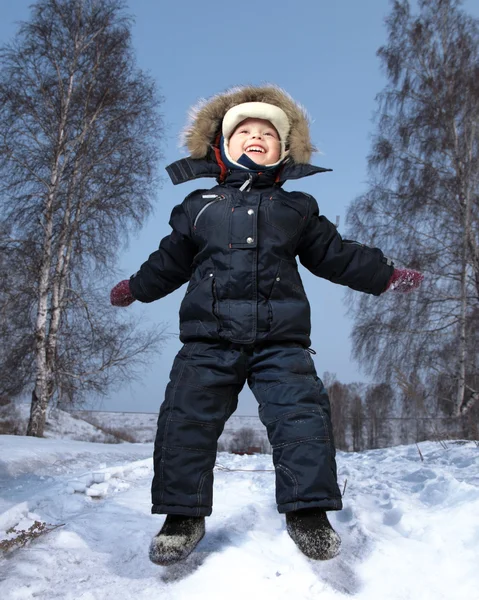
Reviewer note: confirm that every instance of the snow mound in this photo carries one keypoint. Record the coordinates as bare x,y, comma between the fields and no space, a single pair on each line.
59,425
409,527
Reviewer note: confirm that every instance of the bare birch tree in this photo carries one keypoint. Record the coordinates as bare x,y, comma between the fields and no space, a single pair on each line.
356,414
378,403
79,131
422,207
339,401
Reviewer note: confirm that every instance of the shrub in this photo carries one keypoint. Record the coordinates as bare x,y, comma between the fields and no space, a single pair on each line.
248,441
11,422
23,536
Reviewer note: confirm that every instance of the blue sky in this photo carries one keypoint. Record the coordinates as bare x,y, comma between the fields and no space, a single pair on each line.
324,55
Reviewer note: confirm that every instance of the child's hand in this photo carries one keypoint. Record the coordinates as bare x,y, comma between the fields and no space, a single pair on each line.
405,280
120,295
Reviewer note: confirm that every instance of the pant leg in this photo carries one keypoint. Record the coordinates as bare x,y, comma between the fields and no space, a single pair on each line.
294,407
201,395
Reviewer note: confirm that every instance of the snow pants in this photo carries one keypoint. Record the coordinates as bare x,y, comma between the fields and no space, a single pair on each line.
202,394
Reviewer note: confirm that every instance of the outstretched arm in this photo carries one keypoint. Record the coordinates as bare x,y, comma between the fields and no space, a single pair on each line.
323,251
166,269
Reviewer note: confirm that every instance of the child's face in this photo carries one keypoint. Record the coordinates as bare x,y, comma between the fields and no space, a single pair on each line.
256,138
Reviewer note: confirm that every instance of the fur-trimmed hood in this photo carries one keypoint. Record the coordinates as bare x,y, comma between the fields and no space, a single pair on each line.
206,118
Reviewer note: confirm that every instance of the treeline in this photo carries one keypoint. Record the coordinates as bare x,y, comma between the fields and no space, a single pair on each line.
378,415
367,416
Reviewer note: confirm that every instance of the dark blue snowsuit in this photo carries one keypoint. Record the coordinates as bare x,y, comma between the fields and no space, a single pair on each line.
245,317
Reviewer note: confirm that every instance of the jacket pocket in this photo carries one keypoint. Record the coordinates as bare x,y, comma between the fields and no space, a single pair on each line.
199,303
212,213
287,282
288,305
215,307
284,216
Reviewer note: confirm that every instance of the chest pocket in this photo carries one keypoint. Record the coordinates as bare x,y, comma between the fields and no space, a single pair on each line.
285,215
212,213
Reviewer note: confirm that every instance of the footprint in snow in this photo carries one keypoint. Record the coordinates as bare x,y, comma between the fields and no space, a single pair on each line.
392,517
185,568
339,572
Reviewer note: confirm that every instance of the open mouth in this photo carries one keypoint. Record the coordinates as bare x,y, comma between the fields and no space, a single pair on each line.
257,149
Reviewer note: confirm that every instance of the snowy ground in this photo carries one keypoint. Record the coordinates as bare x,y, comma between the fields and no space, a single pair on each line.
140,426
59,425
410,529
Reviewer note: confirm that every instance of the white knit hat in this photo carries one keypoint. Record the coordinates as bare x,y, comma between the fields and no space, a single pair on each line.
256,110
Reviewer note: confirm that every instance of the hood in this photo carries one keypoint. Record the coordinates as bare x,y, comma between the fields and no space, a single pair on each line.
204,126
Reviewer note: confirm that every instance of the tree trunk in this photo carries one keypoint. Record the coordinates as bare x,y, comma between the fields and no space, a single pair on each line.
64,251
40,398
38,412
462,348
462,171
43,390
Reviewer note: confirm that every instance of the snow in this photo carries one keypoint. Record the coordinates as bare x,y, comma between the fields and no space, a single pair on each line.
410,528
140,426
61,424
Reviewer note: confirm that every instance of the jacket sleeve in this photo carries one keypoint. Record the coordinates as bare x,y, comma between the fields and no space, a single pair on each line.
322,250
170,266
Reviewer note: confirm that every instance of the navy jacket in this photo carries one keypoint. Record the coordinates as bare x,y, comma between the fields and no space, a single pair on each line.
237,245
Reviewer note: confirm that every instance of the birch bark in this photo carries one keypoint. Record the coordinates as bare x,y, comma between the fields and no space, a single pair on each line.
43,390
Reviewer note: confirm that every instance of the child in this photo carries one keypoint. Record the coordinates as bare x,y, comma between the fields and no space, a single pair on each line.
245,316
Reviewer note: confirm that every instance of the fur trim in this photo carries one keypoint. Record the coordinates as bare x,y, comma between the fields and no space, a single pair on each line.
207,116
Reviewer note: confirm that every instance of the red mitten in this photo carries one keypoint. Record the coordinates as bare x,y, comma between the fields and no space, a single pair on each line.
120,295
405,280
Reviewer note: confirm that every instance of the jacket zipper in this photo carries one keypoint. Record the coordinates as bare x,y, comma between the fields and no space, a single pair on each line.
247,184
215,302
217,199
214,308
277,278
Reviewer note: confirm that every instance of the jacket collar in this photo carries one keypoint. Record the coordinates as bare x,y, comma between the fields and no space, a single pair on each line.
188,169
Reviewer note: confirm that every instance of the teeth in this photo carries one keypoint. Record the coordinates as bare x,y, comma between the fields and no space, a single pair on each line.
255,149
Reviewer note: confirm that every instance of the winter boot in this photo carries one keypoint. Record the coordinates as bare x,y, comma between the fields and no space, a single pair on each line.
176,539
312,533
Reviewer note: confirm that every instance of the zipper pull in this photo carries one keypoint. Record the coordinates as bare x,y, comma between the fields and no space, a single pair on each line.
247,183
